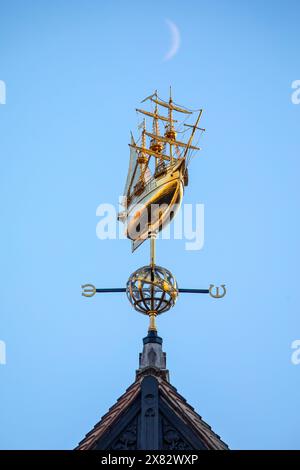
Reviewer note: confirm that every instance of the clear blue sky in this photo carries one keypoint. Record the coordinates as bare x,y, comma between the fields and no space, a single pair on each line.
75,71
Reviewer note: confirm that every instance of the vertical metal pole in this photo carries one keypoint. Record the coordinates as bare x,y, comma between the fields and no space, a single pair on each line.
152,249
152,313
152,323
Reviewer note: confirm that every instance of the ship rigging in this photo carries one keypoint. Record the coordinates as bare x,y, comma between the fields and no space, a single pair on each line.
158,168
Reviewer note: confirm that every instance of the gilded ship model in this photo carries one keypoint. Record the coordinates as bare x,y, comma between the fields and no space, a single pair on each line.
157,175
158,169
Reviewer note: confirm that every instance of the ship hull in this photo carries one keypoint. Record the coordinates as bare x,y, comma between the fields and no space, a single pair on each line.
157,205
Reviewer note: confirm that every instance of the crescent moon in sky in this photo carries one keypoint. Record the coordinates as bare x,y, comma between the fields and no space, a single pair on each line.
175,37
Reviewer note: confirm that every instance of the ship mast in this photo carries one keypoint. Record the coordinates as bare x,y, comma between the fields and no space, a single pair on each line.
158,143
194,127
155,145
170,134
142,161
156,132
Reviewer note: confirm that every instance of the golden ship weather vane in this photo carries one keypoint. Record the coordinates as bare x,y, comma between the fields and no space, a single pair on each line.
157,176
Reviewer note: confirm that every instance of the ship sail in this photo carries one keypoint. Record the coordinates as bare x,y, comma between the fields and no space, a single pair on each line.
170,141
170,106
154,115
134,172
151,153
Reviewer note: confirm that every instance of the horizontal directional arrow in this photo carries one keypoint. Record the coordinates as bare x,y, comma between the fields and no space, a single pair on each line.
194,291
184,291
114,289
123,289
89,290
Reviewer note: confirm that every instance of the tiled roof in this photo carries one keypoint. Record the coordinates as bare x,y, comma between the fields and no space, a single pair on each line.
187,413
171,398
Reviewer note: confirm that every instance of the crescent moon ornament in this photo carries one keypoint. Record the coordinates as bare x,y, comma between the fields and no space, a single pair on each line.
175,40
